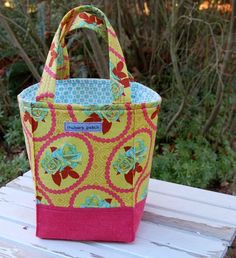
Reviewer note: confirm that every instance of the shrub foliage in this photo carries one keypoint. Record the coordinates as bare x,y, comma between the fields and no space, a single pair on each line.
182,49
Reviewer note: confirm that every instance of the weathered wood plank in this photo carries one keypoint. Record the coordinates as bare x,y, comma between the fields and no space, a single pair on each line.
223,233
226,231
187,192
219,215
180,240
193,194
199,212
17,196
25,234
17,214
187,217
28,174
23,183
11,249
182,214
182,192
26,199
153,250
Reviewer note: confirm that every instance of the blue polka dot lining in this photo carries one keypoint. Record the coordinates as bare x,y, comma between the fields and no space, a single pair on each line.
91,92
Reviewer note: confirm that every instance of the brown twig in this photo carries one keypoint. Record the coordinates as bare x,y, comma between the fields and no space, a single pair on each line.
179,81
18,46
220,86
40,54
99,58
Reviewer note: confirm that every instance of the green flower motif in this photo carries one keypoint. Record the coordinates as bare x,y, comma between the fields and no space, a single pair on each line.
124,164
94,109
95,201
70,153
39,114
133,155
112,114
51,164
140,150
60,158
117,89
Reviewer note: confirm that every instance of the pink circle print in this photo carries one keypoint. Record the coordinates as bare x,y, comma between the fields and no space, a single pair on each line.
149,119
76,179
120,147
98,188
51,128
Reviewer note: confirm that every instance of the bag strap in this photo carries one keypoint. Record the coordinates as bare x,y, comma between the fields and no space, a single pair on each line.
63,74
57,63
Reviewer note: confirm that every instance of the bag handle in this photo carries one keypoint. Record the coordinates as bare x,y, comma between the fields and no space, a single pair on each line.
65,73
57,63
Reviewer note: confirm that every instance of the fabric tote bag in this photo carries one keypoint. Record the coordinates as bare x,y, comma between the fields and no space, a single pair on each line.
89,142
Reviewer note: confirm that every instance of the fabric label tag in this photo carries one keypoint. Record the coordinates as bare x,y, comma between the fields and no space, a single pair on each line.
83,127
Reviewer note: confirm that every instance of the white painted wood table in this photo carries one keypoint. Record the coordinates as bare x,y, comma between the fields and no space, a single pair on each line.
179,222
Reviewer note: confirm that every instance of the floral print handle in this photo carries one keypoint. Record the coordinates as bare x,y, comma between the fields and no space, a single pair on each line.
57,65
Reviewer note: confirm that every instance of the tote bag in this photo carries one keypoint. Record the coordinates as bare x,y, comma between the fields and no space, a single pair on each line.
89,142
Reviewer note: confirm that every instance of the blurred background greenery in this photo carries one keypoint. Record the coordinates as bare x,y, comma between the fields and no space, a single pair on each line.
183,49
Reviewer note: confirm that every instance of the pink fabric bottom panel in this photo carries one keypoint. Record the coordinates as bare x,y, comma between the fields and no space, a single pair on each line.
101,224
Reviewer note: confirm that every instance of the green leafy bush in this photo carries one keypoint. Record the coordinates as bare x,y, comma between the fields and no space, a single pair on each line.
14,135
12,168
179,51
194,162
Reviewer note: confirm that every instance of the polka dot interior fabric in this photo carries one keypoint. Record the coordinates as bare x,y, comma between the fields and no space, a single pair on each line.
91,91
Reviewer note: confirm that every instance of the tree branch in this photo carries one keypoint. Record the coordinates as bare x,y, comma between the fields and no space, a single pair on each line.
100,60
173,54
17,45
220,86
